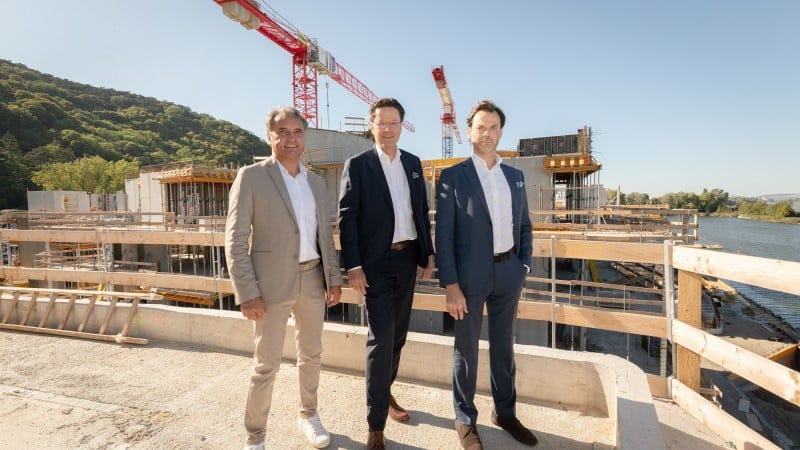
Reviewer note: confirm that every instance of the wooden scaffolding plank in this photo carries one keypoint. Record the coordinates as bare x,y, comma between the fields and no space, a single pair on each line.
98,337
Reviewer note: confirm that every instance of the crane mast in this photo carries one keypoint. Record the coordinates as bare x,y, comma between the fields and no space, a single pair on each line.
308,59
449,127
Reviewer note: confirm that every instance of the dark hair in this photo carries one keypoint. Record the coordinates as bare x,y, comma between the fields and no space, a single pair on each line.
281,113
386,102
488,106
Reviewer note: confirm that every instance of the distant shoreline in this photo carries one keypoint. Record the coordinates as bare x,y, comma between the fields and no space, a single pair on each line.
787,220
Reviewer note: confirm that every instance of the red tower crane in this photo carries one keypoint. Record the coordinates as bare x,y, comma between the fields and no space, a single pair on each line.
308,58
449,126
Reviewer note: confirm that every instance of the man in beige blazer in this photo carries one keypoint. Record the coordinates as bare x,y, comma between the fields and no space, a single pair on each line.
281,259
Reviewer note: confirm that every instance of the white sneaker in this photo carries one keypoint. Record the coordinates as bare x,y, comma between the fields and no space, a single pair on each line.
259,446
315,433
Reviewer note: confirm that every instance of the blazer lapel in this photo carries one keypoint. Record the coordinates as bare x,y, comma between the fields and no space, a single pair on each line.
471,173
374,163
277,179
412,185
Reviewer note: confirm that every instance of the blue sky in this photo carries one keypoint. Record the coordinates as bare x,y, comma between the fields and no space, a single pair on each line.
681,95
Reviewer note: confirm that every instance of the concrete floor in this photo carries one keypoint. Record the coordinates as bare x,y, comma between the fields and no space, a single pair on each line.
60,392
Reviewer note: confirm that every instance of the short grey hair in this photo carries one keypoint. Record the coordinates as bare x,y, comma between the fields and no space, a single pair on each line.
281,113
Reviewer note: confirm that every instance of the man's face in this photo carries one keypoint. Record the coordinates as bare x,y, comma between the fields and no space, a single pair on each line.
287,139
386,127
485,132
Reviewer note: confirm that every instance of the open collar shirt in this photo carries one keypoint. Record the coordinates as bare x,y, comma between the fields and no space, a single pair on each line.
305,211
498,199
404,229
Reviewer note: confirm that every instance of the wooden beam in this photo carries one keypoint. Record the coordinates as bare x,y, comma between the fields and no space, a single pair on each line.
780,380
157,279
658,386
98,337
717,420
773,274
201,238
690,291
603,319
601,251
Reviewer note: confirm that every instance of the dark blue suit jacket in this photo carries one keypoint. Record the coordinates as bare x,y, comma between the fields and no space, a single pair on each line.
464,243
366,215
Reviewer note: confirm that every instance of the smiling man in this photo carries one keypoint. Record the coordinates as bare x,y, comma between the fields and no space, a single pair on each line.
483,252
281,257
384,231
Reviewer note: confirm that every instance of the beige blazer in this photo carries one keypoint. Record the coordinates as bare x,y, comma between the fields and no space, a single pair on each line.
262,238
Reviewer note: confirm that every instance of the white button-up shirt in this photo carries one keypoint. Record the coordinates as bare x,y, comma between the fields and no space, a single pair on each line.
404,229
305,211
498,199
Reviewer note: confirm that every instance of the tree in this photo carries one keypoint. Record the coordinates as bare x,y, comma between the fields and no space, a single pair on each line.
13,172
637,198
713,200
91,174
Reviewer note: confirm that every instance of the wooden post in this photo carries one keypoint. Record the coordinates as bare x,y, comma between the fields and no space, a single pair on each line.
690,292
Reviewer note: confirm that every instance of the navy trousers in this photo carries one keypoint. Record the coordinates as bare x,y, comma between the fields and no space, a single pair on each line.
501,299
388,300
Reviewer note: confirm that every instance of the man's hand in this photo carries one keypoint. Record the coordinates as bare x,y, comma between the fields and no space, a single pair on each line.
333,296
253,309
357,280
455,301
424,273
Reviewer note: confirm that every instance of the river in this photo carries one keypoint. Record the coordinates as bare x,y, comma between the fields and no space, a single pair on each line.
764,239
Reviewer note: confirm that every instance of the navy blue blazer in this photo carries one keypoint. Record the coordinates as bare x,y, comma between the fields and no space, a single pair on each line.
464,242
366,215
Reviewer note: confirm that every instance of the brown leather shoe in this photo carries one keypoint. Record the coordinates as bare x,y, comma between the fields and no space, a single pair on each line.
515,429
396,412
375,441
468,436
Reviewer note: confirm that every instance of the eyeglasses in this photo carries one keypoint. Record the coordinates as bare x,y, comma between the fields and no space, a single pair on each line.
386,124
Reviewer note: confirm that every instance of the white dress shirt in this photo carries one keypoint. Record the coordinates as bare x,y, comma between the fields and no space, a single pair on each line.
498,199
404,229
305,211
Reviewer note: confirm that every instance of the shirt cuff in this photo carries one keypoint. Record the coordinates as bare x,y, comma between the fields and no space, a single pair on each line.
527,268
358,267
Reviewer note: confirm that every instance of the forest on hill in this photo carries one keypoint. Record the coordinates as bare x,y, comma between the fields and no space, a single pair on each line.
48,120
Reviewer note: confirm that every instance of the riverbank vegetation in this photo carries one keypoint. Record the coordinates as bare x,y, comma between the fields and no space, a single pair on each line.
715,202
48,124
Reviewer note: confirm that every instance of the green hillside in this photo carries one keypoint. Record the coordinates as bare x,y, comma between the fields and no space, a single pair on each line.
45,119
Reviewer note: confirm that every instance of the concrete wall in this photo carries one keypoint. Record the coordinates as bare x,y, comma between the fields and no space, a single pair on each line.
333,146
59,201
146,194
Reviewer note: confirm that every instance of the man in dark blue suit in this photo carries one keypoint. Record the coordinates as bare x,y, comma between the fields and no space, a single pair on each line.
384,230
483,252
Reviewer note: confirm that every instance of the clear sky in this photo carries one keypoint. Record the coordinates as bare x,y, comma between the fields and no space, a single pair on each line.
681,95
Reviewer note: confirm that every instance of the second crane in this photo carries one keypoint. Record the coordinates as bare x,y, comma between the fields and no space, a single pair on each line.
449,127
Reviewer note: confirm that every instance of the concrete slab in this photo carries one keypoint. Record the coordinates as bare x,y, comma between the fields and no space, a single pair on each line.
184,396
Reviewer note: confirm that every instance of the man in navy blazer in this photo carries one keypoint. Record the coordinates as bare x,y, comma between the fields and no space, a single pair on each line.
384,231
483,252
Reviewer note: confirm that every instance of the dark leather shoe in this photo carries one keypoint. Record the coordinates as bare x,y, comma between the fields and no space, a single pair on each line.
396,412
375,441
468,436
515,429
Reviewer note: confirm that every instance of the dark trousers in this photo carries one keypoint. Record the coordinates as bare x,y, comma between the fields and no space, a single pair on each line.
388,300
501,300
